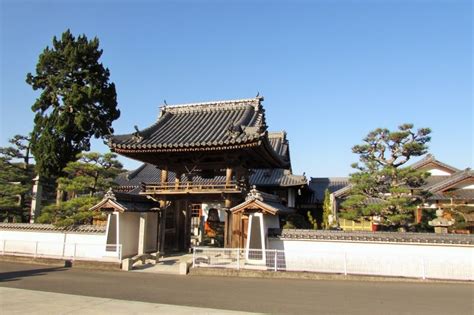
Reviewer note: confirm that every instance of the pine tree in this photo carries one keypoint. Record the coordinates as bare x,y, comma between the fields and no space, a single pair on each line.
382,186
77,102
16,176
85,179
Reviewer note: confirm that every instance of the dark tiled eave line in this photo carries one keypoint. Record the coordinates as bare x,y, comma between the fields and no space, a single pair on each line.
187,149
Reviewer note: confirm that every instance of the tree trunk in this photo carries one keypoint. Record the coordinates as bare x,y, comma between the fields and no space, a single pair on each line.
60,194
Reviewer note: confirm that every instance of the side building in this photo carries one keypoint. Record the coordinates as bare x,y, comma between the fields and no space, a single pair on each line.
449,189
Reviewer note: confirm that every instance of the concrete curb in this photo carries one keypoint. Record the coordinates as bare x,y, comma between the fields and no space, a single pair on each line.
84,264
221,272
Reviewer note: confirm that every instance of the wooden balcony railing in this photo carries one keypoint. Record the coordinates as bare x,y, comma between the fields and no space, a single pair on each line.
189,188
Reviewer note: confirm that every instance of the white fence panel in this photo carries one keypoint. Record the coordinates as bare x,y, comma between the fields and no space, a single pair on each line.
79,251
341,262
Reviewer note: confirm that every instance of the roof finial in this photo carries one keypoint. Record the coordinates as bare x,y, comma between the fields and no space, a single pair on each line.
164,101
137,136
110,194
258,94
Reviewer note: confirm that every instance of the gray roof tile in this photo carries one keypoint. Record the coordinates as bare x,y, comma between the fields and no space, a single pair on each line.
438,186
429,158
198,125
318,186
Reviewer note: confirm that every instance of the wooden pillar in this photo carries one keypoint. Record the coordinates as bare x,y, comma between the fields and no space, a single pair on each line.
235,230
177,180
187,225
228,176
177,213
164,175
158,232
162,231
228,205
228,229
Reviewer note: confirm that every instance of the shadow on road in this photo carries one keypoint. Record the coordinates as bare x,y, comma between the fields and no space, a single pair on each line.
17,275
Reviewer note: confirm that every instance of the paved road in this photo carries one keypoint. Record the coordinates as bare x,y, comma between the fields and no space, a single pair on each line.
247,294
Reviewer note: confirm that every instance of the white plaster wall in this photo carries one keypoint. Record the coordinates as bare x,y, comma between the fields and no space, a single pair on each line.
437,172
406,260
291,197
464,186
79,245
129,224
269,222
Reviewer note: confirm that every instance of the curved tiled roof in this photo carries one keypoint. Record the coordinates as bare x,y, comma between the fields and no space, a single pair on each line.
210,124
450,181
276,177
236,128
125,202
280,144
318,186
266,202
429,158
148,173
457,195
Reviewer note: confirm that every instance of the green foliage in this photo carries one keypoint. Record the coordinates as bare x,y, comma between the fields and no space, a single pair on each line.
296,221
327,211
71,212
382,187
19,151
15,180
312,221
77,102
459,214
90,174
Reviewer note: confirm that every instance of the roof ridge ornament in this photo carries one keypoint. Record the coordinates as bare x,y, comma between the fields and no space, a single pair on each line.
254,194
110,195
136,135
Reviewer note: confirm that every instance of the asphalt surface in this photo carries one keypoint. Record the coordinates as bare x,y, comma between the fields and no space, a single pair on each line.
286,296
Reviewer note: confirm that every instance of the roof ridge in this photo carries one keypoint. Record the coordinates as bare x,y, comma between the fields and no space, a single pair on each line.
210,104
430,158
339,178
458,176
277,134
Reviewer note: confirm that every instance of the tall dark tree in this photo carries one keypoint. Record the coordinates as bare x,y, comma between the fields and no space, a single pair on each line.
383,186
77,102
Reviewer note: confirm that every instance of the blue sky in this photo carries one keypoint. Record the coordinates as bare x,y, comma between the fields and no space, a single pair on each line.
330,71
